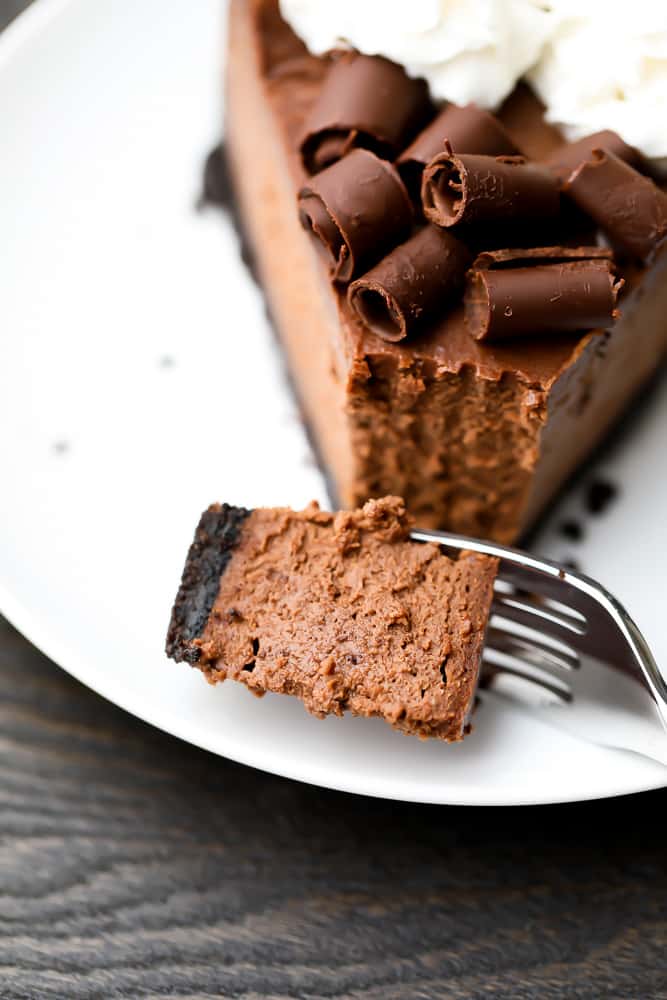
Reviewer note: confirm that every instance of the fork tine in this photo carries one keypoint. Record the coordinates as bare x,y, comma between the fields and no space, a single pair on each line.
544,585
494,669
535,616
533,649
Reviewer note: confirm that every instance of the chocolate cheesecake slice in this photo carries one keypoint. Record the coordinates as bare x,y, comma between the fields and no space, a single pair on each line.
476,431
344,611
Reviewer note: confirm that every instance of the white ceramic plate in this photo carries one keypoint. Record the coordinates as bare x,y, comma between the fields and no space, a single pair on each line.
139,381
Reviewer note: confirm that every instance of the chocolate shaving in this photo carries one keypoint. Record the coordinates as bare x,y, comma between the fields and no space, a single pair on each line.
571,155
357,210
552,290
412,284
513,256
471,189
630,208
366,101
467,130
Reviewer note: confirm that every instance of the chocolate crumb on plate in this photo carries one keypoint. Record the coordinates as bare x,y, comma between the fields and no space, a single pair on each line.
571,529
599,495
216,190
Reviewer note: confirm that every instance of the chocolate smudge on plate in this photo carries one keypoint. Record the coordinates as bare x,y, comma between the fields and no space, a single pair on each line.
571,529
599,495
217,191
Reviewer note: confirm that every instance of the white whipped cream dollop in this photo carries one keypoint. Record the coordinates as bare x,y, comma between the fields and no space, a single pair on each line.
596,64
605,67
465,51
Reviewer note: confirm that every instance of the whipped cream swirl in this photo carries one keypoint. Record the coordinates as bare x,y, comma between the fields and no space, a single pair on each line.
596,64
605,67
466,51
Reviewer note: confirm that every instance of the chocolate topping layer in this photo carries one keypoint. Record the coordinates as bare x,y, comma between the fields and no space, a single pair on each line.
346,613
357,209
467,130
485,189
552,296
365,101
416,281
630,208
215,538
566,158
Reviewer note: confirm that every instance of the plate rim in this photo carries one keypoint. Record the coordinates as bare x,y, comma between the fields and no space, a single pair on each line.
20,617
16,36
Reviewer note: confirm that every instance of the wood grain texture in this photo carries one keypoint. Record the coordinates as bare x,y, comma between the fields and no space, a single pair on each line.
133,865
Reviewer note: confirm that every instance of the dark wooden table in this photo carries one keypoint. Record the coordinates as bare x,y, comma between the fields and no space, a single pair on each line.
133,865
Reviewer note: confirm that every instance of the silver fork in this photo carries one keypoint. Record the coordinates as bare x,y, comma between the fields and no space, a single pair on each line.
562,645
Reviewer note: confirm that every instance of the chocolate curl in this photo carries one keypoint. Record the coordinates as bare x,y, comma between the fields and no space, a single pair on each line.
365,101
630,208
357,209
471,189
516,257
413,283
571,155
561,290
467,130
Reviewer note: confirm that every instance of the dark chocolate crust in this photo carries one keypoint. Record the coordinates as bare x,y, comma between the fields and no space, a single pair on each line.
215,539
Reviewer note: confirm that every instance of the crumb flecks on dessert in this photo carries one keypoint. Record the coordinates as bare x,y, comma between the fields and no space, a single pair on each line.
342,610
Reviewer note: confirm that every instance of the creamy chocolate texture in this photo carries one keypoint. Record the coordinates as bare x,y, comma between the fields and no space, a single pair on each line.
343,611
469,432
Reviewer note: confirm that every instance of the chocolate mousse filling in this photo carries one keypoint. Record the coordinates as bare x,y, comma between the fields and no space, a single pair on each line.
343,611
